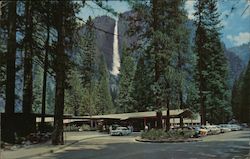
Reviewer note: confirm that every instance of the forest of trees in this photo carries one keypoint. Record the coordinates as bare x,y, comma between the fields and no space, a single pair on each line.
47,48
241,96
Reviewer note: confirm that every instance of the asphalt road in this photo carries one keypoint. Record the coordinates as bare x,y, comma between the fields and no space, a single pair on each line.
233,145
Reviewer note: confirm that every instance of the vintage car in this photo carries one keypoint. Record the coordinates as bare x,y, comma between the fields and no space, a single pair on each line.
120,131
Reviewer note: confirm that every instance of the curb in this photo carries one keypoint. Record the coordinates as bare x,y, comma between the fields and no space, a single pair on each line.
59,148
167,141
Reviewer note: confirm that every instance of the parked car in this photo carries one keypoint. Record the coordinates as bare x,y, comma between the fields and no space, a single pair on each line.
120,131
235,127
244,125
183,128
212,129
224,128
199,132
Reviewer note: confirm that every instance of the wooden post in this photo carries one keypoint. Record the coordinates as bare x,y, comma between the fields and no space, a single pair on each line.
181,121
145,122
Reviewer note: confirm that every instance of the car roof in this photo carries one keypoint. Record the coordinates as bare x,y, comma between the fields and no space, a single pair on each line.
120,127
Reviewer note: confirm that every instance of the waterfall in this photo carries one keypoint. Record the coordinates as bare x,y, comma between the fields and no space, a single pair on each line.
116,57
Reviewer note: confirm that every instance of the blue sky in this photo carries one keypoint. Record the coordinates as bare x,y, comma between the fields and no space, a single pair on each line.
236,29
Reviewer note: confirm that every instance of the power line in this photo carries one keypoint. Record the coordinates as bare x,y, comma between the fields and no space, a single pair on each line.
93,26
245,10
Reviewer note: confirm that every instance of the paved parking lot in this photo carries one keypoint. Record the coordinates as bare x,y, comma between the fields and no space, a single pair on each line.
234,145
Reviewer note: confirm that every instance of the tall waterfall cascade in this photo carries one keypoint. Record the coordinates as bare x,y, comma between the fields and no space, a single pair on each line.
116,57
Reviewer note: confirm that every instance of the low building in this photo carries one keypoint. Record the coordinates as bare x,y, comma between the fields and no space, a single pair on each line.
178,117
139,120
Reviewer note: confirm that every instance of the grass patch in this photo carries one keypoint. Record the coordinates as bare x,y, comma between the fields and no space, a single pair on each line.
160,134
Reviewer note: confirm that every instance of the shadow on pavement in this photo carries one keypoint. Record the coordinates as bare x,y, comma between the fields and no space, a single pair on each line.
126,150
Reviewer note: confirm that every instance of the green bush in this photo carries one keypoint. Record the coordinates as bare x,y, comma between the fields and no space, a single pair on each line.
160,134
71,128
85,127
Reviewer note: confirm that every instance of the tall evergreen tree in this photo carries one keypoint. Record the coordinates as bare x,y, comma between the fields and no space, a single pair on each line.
28,56
11,58
125,100
82,86
143,99
212,66
75,94
104,101
236,97
88,54
65,13
46,19
245,97
163,32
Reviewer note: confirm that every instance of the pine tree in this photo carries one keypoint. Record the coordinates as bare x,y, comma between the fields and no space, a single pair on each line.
86,66
88,54
236,97
143,99
65,13
212,66
28,56
74,96
45,7
163,32
11,58
245,97
104,100
125,100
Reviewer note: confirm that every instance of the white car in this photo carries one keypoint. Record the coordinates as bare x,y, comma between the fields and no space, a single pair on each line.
224,128
120,131
235,127
212,129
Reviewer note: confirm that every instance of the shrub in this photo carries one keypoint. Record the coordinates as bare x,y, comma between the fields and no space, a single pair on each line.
85,127
71,128
160,134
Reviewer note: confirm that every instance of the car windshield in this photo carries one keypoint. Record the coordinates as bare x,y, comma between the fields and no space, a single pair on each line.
121,128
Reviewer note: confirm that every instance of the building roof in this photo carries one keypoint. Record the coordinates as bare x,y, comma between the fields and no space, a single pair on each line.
186,113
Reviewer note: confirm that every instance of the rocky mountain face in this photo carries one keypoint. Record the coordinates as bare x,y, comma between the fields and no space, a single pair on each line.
104,37
236,66
243,52
237,56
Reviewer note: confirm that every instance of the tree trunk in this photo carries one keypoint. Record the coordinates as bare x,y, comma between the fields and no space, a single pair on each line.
181,99
45,69
157,63
201,95
168,117
11,59
200,42
28,42
57,138
159,119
